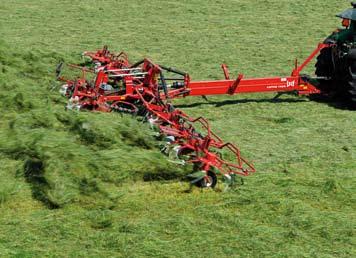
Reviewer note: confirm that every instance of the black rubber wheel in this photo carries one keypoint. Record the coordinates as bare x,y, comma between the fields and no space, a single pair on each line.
351,85
324,67
209,181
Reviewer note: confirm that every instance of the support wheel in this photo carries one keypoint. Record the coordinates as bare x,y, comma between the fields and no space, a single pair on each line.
209,181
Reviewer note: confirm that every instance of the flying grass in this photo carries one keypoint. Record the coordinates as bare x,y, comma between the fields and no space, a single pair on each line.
71,180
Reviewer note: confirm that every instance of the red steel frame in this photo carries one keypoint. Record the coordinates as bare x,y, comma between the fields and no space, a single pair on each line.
292,83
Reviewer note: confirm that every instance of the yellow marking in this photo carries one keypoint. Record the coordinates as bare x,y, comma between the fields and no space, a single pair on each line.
304,87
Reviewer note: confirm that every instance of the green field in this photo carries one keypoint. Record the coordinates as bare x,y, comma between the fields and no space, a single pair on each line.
95,185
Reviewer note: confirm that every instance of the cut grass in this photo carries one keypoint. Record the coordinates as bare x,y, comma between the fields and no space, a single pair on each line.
73,184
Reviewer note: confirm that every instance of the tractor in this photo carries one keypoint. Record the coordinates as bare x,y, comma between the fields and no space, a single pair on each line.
336,64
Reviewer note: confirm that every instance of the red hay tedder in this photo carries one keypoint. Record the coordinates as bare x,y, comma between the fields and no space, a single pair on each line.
143,88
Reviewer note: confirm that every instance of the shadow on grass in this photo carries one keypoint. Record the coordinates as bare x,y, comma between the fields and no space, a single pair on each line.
34,169
241,101
333,101
163,175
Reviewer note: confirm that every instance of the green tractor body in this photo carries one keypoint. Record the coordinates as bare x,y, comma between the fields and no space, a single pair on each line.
336,65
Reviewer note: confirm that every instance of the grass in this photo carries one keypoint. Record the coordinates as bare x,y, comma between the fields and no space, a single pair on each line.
89,185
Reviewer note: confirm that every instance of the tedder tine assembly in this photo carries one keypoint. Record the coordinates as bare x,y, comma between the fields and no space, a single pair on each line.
144,88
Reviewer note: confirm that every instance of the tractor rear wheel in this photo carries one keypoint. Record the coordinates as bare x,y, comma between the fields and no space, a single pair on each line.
351,87
325,68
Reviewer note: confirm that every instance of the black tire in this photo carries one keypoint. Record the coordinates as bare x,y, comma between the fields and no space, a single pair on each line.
351,86
324,67
209,181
